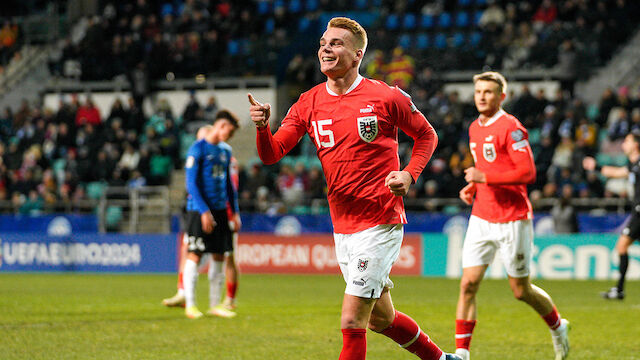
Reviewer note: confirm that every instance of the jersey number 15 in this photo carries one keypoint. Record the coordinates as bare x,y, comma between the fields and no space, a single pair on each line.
320,130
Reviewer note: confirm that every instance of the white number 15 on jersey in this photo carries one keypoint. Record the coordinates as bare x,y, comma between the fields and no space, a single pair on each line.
320,130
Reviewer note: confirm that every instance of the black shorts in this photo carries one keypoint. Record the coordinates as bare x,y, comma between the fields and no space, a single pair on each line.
219,241
632,226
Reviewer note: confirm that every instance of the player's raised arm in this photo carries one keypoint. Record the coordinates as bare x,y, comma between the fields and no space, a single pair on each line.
616,172
272,148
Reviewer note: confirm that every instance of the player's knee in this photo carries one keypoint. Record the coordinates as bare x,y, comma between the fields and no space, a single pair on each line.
378,323
350,322
469,286
521,293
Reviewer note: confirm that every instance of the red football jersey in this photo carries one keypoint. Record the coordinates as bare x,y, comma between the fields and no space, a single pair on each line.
356,136
501,150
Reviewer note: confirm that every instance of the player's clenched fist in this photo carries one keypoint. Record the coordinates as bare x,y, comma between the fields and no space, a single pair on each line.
259,112
398,182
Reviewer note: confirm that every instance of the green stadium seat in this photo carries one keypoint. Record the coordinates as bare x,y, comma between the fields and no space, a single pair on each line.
95,189
534,136
113,217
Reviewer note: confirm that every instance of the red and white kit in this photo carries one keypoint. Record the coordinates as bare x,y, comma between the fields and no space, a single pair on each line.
502,213
356,138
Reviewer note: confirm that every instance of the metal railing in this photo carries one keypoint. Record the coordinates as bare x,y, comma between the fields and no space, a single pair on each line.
144,209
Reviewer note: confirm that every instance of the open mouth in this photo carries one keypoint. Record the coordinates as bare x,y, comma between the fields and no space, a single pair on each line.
328,59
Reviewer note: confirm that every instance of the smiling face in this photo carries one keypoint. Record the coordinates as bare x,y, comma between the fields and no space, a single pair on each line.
337,53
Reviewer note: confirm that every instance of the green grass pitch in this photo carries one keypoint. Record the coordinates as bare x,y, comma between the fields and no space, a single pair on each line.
280,317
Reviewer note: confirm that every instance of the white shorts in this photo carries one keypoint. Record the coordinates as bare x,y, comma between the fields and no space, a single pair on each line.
514,241
366,257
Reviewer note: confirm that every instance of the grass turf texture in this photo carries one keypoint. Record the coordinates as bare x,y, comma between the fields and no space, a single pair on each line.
280,317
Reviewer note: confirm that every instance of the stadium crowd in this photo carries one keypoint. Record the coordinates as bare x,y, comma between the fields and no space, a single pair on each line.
53,158
253,37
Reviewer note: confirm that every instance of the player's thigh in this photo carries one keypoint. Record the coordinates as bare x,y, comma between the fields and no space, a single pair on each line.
479,247
195,236
516,247
371,254
630,232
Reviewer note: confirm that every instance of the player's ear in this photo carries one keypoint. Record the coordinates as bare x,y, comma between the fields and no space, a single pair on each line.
502,97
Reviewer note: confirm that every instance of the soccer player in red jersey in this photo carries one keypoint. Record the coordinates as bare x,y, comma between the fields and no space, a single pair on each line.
501,218
354,124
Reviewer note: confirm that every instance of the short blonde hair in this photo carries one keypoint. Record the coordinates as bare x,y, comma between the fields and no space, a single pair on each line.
359,33
494,76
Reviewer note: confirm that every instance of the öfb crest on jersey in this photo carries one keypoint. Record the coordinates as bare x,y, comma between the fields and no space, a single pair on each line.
368,127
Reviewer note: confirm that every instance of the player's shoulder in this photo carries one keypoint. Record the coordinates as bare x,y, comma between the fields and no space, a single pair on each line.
313,92
224,146
196,147
510,121
382,88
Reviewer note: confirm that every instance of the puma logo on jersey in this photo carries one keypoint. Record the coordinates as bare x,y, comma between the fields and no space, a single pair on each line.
488,138
368,109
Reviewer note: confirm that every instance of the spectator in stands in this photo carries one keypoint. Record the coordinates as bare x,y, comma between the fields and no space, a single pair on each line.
565,220
88,113
401,69
492,15
619,124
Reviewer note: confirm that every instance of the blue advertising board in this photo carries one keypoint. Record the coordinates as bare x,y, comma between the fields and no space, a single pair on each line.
87,252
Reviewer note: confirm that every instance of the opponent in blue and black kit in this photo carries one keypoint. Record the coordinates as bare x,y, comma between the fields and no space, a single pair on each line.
209,189
631,230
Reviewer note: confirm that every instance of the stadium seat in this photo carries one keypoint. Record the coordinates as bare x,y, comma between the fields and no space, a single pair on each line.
534,136
279,4
295,6
409,22
462,19
233,47
361,4
303,24
458,40
422,41
311,5
269,26
475,38
464,3
444,20
95,189
440,41
263,7
426,22
167,9
476,18
113,218
392,22
404,41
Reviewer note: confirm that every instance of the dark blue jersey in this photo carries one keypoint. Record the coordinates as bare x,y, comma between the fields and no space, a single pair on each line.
208,182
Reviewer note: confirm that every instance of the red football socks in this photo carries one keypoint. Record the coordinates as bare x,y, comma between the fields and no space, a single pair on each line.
232,287
354,344
464,330
180,282
552,319
406,332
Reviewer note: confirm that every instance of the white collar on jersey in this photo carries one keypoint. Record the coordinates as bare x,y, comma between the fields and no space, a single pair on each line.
493,119
355,84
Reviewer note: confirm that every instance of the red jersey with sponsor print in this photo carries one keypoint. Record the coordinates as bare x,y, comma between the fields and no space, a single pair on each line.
356,136
501,150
